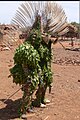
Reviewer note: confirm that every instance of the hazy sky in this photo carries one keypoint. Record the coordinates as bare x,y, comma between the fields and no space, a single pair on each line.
8,10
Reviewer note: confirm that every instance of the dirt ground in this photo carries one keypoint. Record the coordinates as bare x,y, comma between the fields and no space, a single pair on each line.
65,94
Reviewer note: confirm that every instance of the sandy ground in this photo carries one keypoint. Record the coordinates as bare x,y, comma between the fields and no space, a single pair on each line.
65,94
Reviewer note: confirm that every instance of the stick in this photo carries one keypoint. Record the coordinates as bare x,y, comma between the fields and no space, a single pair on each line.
62,45
12,95
46,118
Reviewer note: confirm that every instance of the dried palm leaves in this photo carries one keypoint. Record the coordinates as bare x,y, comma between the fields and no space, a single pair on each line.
53,17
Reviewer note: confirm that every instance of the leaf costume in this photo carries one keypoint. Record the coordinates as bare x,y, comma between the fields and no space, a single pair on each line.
32,59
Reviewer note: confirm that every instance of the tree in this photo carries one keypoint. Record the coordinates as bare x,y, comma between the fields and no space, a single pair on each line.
78,28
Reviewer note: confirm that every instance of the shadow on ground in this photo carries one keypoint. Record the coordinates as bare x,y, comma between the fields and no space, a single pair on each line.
11,110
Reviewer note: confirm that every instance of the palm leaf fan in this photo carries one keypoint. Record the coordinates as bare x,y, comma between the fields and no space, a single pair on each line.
53,18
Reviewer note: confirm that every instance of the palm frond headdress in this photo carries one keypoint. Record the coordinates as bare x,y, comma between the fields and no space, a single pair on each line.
53,18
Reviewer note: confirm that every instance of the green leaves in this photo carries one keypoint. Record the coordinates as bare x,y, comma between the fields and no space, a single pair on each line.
44,53
26,54
18,74
26,67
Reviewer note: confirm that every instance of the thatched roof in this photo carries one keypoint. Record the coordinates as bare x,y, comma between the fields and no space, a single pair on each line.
72,28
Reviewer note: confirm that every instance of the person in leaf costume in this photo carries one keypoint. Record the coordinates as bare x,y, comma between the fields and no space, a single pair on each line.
32,59
35,70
